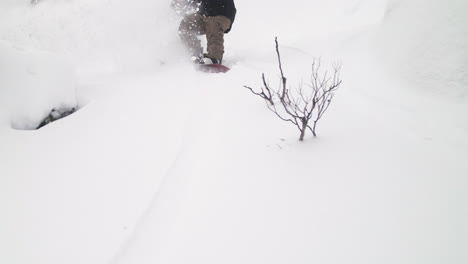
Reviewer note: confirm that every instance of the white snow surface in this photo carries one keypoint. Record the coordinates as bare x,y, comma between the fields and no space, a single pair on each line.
163,164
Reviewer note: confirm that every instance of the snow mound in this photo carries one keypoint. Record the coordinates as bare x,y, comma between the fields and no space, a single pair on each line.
31,84
426,43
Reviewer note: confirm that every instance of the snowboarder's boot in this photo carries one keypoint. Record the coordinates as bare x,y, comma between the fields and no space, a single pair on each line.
198,59
213,60
205,59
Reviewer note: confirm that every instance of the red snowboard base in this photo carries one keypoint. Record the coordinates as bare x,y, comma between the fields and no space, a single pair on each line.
212,68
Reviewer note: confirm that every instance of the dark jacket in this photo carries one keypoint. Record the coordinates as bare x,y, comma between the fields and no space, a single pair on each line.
218,8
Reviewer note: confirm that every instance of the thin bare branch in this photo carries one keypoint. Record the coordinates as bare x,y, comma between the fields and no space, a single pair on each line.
302,108
283,79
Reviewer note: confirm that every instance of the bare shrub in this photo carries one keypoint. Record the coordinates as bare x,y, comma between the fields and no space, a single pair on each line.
304,106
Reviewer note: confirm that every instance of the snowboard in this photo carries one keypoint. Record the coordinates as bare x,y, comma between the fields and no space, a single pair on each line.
212,68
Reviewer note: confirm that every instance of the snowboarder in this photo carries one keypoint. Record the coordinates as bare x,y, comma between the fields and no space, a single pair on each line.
213,18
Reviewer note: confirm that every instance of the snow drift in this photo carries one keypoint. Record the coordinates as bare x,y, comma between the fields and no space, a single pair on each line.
426,43
31,84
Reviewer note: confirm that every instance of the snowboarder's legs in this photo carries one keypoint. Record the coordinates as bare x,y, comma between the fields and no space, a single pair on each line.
190,27
215,28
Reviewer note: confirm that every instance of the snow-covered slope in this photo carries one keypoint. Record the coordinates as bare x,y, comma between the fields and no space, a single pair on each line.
427,46
163,164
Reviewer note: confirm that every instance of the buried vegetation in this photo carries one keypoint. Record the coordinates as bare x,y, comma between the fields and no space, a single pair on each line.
56,114
37,123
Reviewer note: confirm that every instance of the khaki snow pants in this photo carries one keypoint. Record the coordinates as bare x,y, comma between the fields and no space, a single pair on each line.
214,28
